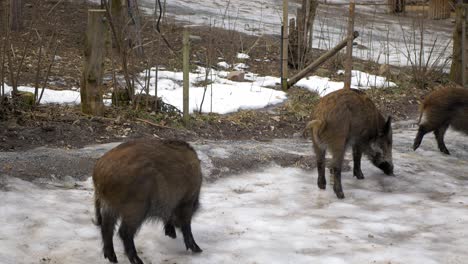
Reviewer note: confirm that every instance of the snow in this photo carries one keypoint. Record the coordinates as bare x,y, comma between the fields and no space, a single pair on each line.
222,96
243,56
381,38
224,65
51,96
359,80
274,215
241,66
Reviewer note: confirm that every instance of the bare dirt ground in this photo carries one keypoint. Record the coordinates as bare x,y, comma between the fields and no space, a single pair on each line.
66,127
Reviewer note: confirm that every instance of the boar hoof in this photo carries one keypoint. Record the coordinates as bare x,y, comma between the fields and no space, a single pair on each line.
359,175
110,256
136,260
169,230
193,246
339,192
322,183
445,151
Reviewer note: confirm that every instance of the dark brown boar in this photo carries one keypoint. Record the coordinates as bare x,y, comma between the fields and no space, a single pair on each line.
440,109
349,118
146,179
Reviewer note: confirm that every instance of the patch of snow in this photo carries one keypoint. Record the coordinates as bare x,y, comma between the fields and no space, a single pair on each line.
275,215
224,65
359,80
226,96
51,96
243,56
241,66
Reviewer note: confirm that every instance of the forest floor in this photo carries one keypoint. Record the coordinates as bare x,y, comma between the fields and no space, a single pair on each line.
66,126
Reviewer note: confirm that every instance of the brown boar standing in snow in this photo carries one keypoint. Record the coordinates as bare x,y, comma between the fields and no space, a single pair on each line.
440,109
146,179
349,118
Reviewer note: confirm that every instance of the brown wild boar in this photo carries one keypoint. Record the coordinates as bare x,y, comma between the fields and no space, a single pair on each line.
440,109
146,179
347,117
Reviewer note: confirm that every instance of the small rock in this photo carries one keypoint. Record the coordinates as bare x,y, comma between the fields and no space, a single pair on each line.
236,76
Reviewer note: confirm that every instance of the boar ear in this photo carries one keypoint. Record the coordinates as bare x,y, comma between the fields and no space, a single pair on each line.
388,126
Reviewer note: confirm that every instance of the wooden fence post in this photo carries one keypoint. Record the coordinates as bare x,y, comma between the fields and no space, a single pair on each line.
439,9
97,40
458,69
284,62
464,44
186,66
349,47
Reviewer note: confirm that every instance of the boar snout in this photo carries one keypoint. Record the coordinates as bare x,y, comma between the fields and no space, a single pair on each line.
387,168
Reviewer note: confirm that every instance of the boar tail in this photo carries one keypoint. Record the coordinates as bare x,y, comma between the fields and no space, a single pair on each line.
421,112
311,128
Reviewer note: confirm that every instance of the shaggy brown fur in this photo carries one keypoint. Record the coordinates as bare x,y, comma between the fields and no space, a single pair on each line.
349,118
440,109
146,179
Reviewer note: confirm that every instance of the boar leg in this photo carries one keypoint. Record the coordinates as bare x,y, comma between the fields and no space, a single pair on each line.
357,155
97,210
439,135
419,136
169,230
184,214
338,156
320,157
127,231
107,231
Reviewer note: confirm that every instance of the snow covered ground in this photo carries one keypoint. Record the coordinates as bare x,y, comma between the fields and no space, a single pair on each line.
272,215
222,96
381,35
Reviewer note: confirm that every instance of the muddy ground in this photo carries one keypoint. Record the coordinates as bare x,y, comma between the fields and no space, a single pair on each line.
66,127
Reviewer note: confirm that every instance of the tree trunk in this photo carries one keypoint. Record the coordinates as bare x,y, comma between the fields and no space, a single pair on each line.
439,9
456,69
97,40
396,6
301,30
15,15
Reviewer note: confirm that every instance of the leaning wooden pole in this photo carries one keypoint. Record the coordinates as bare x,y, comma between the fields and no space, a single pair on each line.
314,65
285,42
97,39
186,56
349,46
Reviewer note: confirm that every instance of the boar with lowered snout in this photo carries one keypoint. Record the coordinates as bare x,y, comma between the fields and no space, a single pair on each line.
146,179
440,109
349,118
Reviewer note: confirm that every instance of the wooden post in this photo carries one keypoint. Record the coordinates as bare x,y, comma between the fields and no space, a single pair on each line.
15,15
457,69
186,66
97,40
349,46
465,47
116,10
284,62
439,9
314,65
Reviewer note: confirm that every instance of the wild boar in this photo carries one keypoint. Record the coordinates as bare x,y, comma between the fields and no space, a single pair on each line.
146,179
349,118
440,109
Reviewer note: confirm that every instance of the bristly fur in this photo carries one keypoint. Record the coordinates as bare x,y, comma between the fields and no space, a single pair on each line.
347,117
146,180
443,108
